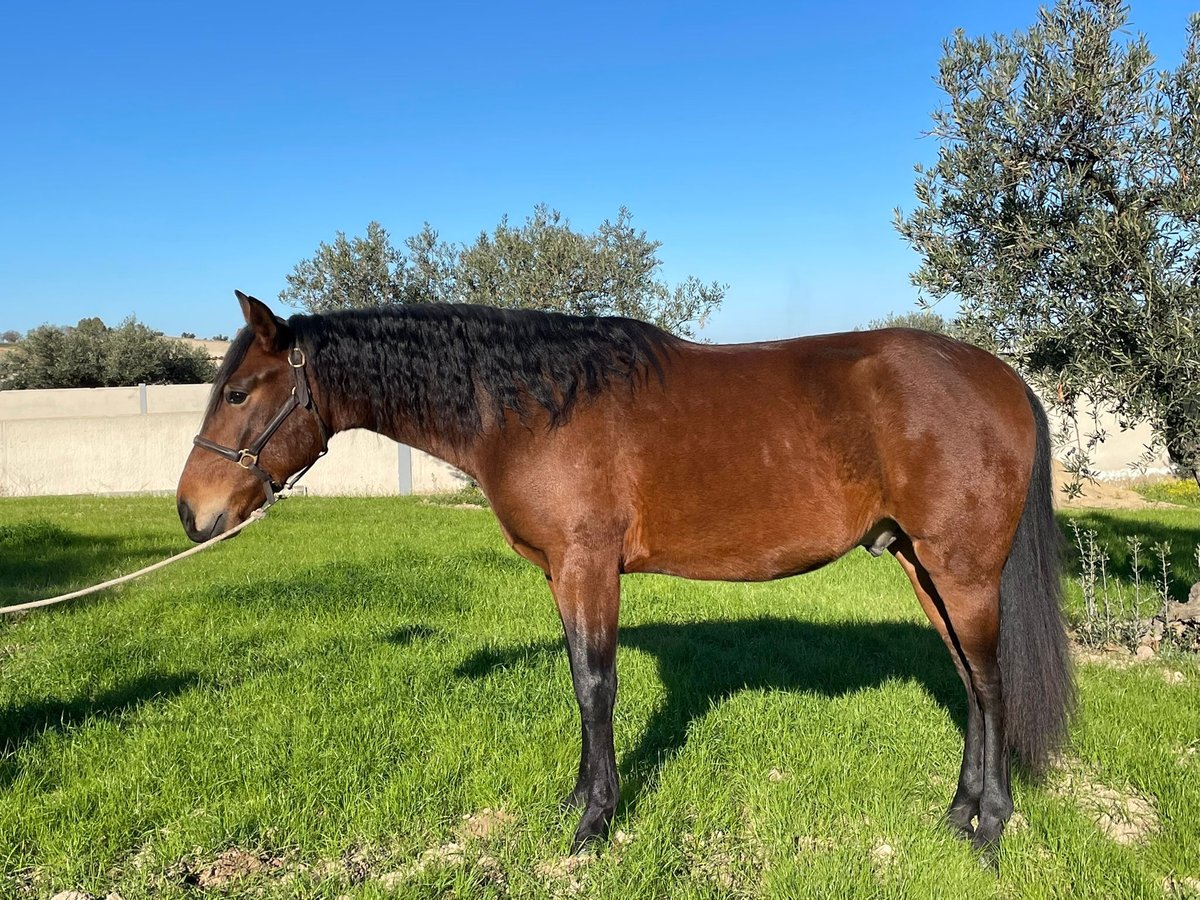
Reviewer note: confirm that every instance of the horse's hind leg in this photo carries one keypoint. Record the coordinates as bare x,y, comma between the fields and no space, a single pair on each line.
970,594
966,598
974,611
587,591
965,805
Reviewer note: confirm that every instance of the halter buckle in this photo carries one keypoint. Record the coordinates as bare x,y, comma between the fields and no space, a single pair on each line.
245,455
292,358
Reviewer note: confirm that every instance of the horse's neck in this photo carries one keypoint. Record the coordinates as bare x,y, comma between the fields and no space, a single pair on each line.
343,411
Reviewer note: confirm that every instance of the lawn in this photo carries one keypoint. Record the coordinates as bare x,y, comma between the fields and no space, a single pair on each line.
368,698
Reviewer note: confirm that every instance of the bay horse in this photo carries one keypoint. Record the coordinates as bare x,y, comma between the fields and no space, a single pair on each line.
607,446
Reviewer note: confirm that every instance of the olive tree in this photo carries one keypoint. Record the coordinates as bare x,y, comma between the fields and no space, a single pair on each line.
91,354
542,263
1063,213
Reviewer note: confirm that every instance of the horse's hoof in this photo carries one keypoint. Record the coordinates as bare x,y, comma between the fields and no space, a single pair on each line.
582,845
593,828
986,839
960,820
989,861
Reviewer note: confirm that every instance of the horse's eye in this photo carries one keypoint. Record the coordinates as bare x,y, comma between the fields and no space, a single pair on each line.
236,397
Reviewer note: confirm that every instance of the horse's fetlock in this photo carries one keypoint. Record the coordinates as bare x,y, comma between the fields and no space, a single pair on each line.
604,796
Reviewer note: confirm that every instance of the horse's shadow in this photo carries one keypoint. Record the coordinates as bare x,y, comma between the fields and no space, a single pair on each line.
703,663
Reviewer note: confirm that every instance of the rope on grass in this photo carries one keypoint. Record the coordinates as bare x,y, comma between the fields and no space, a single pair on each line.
50,601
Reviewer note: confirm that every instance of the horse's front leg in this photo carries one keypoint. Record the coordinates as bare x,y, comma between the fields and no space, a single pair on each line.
587,591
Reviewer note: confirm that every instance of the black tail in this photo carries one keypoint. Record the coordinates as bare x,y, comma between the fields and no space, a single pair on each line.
1035,665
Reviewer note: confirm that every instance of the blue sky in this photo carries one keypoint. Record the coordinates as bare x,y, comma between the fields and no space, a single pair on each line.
155,156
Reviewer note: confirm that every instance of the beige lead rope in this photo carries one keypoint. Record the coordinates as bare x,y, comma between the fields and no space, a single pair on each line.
50,601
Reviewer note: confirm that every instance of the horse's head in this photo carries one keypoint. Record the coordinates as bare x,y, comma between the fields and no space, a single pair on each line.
252,438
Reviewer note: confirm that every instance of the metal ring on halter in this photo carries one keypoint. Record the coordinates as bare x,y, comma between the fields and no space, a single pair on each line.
247,455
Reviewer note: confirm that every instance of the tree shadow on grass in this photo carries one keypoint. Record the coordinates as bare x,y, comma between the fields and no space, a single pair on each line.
1112,533
39,558
704,663
24,723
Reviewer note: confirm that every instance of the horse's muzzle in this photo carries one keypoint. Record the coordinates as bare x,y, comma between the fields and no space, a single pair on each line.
188,518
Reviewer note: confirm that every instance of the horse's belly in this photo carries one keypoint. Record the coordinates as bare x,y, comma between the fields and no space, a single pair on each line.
727,567
756,546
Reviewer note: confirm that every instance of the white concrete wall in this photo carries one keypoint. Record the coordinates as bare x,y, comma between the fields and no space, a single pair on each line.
169,398
117,454
1111,459
68,403
432,476
97,441
362,462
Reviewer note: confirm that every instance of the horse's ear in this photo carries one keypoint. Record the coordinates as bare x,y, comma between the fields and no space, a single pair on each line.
268,329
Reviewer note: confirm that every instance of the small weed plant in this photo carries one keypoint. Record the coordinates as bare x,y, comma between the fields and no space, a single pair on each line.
1130,612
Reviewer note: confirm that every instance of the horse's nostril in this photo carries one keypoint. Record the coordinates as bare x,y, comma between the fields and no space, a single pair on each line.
186,516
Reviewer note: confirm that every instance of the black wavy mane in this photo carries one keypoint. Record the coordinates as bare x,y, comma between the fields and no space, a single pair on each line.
445,367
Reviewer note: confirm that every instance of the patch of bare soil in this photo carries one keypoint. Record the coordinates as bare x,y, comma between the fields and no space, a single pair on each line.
1102,495
1177,632
23,882
447,856
730,863
1126,817
486,824
883,855
354,867
229,866
1184,887
566,875
476,829
1115,656
808,844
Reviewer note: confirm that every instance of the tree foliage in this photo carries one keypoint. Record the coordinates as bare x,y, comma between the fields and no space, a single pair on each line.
1064,213
542,263
924,319
91,354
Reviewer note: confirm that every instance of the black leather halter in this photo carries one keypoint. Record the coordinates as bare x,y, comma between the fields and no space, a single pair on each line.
300,398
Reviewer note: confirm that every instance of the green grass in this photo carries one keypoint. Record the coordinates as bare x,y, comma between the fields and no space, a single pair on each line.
468,494
338,686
